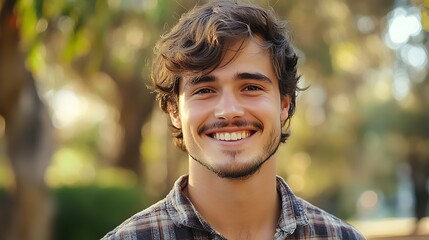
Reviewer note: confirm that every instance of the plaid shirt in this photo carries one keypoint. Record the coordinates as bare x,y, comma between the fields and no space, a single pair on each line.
175,217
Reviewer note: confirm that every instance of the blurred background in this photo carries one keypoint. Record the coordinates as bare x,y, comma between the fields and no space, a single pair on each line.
83,144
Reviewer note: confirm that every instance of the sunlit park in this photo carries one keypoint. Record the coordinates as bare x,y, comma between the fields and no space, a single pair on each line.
83,144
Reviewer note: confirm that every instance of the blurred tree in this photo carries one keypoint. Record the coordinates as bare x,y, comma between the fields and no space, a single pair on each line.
119,45
340,47
27,210
89,37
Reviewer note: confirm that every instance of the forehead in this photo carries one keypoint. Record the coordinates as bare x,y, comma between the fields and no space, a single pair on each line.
247,48
248,55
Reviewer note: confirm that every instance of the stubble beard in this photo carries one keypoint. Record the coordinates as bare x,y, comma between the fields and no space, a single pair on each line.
248,169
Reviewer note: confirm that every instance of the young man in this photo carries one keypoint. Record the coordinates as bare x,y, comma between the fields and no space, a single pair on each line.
226,75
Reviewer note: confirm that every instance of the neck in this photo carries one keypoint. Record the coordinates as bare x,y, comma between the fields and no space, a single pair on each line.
238,208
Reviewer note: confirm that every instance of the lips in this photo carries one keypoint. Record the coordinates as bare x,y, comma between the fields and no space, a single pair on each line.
235,131
231,136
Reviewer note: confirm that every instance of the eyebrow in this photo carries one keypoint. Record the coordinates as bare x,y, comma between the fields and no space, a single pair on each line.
201,79
237,76
252,76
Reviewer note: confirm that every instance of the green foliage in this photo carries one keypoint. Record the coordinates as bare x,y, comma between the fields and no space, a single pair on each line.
2,193
38,8
90,212
389,117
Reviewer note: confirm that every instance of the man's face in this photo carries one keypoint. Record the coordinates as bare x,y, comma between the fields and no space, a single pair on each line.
231,118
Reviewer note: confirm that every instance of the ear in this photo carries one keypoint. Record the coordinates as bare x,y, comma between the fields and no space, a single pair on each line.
175,118
285,105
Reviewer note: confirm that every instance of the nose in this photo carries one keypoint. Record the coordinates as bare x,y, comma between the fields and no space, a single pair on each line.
228,107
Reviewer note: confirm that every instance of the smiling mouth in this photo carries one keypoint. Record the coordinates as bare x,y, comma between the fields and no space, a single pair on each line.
231,136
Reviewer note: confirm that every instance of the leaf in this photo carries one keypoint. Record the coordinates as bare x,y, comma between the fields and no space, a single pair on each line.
38,7
425,16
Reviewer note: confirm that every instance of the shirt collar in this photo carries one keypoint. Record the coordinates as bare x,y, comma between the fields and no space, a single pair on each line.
183,213
293,213
181,210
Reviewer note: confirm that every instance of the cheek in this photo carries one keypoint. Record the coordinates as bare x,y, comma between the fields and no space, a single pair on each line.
193,116
266,108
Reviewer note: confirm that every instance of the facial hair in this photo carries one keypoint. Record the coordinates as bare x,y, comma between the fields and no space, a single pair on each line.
250,168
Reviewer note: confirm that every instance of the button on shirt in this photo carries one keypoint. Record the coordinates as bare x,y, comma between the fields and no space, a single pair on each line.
175,217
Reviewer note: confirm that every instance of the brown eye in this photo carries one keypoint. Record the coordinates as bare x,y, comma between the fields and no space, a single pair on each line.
203,91
252,88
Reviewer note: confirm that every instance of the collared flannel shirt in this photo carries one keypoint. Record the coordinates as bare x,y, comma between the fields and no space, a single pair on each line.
175,217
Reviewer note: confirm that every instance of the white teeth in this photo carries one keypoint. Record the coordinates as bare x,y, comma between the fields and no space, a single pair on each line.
234,136
227,136
231,136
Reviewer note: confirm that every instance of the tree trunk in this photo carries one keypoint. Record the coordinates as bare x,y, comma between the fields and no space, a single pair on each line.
135,108
27,210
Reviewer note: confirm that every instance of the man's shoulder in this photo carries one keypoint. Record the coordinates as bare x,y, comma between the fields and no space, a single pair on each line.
143,223
323,223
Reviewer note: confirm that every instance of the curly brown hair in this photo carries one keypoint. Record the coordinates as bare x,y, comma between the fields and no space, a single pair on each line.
196,44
